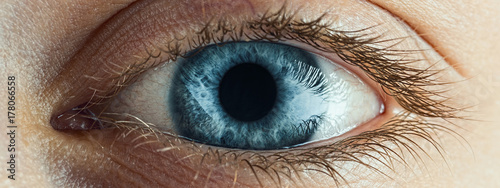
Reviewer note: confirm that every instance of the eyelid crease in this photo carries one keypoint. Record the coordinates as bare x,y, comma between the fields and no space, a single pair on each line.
390,68
453,62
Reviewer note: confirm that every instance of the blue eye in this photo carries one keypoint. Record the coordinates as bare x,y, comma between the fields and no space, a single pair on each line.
261,95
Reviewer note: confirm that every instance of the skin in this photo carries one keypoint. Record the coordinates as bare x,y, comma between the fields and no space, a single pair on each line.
41,42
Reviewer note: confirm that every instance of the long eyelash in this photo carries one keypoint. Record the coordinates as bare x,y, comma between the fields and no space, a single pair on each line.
390,68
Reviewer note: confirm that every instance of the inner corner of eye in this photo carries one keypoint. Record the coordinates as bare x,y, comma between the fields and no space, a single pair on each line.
79,118
265,96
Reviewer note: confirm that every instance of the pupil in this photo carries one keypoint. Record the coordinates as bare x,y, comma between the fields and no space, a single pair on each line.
247,92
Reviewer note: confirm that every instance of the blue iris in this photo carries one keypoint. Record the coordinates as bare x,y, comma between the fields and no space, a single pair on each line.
247,95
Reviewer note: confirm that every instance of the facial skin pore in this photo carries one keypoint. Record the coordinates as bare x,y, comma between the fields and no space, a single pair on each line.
41,41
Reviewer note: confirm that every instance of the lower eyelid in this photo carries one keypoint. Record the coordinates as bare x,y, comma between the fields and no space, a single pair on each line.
149,157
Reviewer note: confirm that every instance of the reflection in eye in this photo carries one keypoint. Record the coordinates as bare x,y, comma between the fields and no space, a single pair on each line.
255,95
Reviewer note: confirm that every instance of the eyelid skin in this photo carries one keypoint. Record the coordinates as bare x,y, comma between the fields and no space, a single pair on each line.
430,29
135,34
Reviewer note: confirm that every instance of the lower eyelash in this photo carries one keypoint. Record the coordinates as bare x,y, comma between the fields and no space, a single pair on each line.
378,150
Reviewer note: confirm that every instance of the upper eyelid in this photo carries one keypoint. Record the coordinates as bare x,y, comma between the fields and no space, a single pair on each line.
295,29
263,29
113,51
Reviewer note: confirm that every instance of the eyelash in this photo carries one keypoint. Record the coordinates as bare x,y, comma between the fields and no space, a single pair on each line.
387,67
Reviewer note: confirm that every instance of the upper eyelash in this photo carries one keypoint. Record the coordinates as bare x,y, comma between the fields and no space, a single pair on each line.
384,65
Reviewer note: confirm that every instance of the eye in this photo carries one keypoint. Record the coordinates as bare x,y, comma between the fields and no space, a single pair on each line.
251,95
321,81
